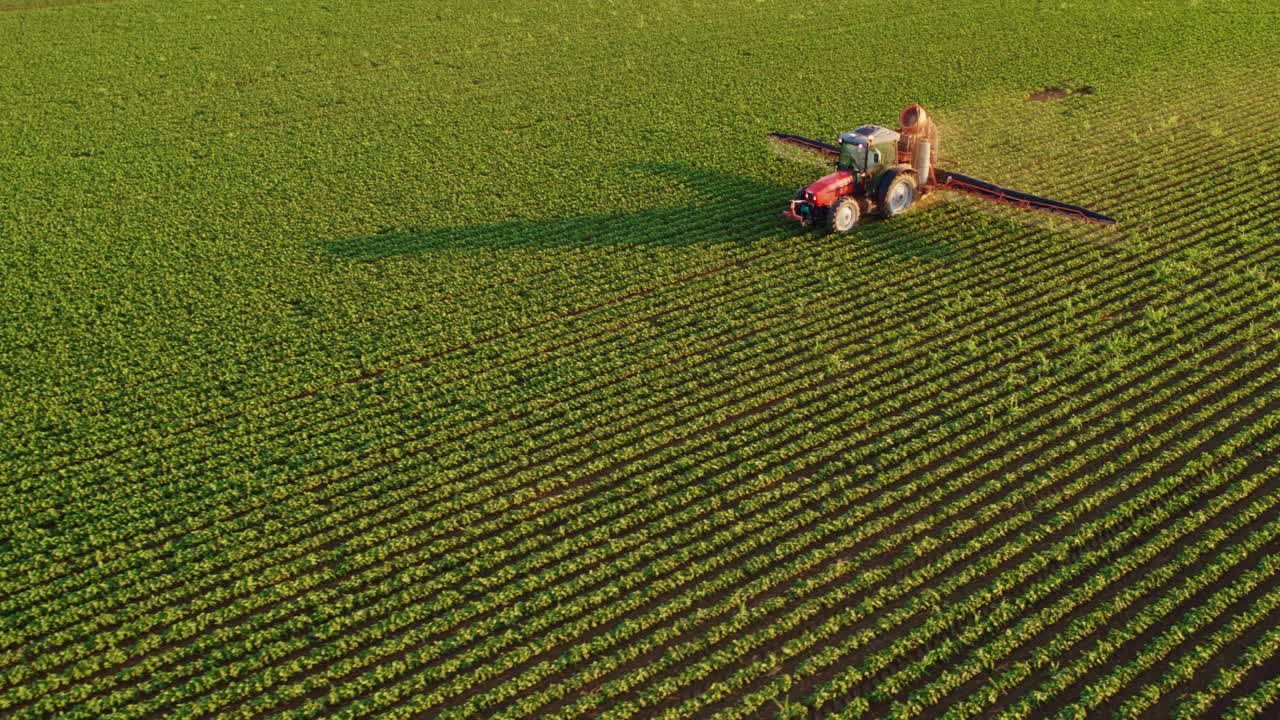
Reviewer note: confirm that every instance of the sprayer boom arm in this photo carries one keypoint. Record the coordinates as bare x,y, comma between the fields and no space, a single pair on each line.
955,182
814,146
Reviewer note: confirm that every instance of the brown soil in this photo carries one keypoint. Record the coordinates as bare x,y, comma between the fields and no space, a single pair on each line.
1057,93
1047,94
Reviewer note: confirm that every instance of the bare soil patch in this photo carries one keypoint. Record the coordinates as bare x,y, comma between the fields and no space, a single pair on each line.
1057,93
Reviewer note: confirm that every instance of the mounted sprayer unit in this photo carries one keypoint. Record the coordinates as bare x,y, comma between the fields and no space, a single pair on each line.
886,171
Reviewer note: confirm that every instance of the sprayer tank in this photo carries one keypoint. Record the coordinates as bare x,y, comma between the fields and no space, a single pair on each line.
921,161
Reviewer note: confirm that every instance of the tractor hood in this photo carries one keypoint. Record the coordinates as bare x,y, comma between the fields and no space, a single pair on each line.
830,188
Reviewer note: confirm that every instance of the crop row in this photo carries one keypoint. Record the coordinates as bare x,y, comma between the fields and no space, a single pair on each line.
142,417
533,547
100,556
1257,655
827,657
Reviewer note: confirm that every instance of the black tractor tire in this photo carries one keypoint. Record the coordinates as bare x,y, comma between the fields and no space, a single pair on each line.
843,215
898,192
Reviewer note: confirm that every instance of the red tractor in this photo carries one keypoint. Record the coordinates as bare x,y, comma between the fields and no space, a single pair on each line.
884,171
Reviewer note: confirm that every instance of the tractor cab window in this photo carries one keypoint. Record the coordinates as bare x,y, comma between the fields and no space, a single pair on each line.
853,156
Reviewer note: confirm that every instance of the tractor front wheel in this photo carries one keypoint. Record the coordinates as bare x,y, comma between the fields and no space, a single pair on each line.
843,215
898,193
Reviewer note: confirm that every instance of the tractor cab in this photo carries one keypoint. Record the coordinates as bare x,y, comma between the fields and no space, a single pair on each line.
868,178
868,149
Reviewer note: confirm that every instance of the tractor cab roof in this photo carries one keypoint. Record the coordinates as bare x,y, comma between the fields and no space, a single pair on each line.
869,135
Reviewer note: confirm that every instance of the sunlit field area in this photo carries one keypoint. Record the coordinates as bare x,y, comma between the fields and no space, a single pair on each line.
452,359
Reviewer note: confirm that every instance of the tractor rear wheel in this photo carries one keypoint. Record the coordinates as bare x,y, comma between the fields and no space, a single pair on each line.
843,215
897,192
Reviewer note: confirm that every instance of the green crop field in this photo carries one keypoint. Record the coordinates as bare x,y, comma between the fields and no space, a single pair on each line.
451,359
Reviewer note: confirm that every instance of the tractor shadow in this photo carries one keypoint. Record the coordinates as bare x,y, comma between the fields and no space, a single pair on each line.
736,209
